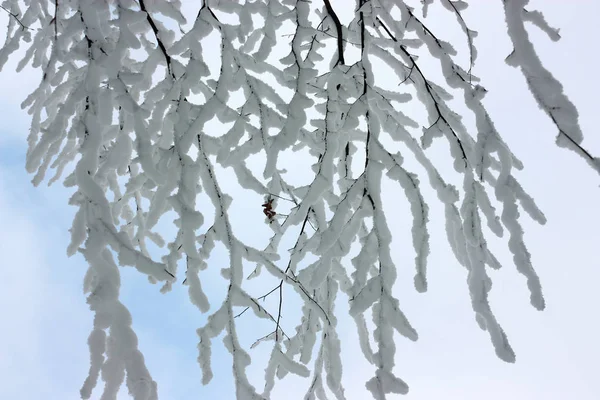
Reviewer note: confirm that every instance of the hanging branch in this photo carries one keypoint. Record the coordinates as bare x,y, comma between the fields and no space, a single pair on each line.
141,147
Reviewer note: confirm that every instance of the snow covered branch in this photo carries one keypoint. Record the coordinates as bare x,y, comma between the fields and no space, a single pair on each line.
128,93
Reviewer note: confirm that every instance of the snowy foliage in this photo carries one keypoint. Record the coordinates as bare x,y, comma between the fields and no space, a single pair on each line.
124,108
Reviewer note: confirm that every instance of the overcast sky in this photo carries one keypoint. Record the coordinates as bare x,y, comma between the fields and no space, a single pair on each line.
43,350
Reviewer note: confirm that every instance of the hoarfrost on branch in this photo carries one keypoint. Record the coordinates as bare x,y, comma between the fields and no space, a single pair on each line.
123,106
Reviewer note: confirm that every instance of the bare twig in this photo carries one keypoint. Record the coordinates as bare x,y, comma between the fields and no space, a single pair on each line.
16,17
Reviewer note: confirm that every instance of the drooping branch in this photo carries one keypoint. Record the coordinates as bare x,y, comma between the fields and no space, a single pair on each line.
546,89
145,149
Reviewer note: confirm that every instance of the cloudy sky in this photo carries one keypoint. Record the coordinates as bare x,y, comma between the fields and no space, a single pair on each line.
43,351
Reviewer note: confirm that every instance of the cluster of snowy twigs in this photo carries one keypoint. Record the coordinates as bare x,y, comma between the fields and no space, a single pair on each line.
123,102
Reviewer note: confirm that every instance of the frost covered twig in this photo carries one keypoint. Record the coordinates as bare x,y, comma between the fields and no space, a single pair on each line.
15,16
546,89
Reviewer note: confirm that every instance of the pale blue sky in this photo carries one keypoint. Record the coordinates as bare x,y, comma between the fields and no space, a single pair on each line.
43,351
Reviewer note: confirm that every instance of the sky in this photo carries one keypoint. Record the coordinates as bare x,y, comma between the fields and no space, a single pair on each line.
43,351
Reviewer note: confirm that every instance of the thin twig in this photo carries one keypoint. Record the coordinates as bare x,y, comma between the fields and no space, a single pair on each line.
16,17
